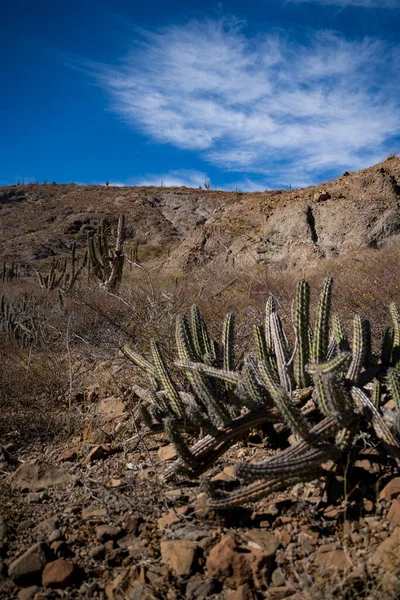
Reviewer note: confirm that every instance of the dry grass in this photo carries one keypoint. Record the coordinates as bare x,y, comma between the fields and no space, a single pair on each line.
80,348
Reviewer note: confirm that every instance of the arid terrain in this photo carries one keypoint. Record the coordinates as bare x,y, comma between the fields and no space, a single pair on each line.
87,508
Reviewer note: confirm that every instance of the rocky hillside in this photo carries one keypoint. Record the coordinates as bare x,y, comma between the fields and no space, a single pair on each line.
188,228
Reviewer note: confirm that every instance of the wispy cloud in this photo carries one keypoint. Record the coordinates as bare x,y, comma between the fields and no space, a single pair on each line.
285,111
359,3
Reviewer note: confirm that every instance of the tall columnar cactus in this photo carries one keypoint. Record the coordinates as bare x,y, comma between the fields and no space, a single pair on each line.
107,263
322,400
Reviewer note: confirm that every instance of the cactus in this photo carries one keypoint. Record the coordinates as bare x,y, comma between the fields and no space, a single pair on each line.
63,274
106,263
226,400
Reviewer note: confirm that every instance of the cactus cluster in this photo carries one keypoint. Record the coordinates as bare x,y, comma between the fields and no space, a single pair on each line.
322,388
63,274
106,263
19,321
9,272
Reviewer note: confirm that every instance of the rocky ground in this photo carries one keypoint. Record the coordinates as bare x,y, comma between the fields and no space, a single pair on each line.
92,519
182,229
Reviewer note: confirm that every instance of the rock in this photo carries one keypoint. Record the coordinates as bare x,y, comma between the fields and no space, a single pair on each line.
111,409
177,494
387,554
336,560
28,593
68,456
59,574
391,490
394,512
107,532
37,475
277,578
93,514
243,592
264,540
233,564
197,589
98,453
321,195
166,452
27,569
36,497
178,555
130,585
46,527
112,483
97,552
168,519
226,475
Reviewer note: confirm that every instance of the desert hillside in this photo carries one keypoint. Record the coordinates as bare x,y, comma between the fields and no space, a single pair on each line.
185,228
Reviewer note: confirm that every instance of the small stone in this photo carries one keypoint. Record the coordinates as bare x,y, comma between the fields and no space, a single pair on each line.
321,195
166,452
169,518
178,555
243,592
391,490
107,532
27,569
394,512
336,560
278,578
387,553
46,527
28,593
226,475
68,456
198,589
94,514
177,494
36,497
98,453
264,540
59,574
55,535
97,552
113,483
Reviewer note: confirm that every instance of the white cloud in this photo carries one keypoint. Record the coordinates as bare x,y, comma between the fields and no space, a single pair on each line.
264,105
358,3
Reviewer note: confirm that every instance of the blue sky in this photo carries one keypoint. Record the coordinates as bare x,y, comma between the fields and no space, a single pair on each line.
271,94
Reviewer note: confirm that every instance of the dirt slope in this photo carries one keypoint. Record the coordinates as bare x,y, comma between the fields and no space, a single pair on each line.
191,227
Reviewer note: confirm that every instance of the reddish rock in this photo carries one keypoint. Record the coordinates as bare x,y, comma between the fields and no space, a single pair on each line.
391,490
178,555
59,574
237,566
99,452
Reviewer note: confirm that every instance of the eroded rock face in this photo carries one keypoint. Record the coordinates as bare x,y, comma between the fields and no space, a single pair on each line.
188,228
